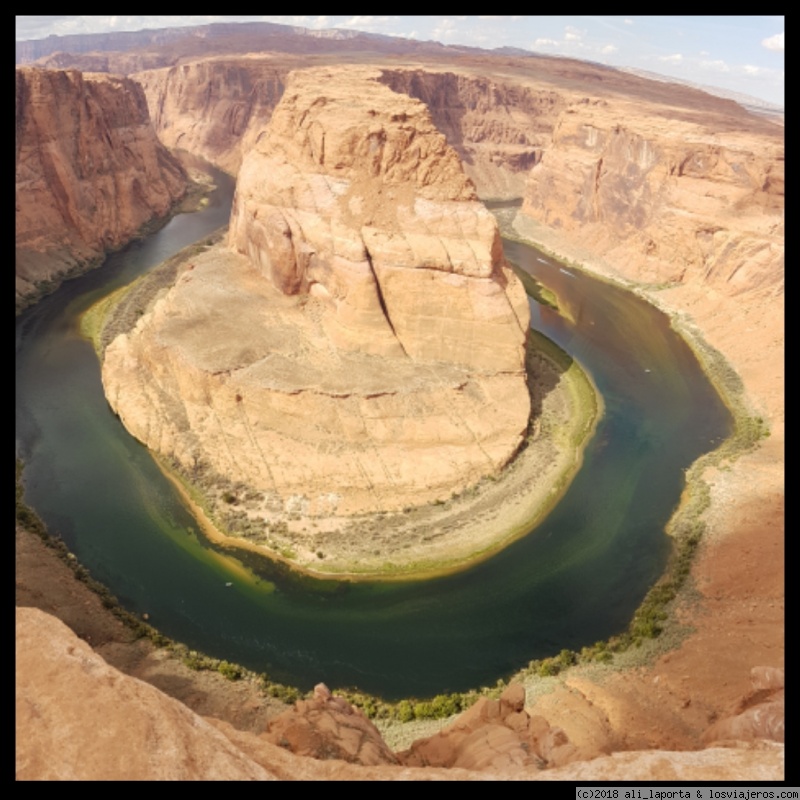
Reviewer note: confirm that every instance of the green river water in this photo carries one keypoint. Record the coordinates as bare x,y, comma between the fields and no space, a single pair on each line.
576,579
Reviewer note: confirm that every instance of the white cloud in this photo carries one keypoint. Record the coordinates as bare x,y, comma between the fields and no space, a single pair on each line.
572,34
368,23
444,30
704,53
546,43
608,49
675,58
718,65
773,42
628,21
751,70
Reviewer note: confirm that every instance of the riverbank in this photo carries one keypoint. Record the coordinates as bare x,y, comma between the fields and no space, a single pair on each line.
424,541
728,616
416,541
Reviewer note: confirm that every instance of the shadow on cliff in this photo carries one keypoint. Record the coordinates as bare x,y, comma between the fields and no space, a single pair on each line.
542,352
442,97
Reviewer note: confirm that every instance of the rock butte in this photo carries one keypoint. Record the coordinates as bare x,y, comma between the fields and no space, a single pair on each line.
360,346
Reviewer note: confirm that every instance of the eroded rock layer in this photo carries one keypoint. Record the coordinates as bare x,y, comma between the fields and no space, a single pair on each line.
89,171
216,107
362,347
666,196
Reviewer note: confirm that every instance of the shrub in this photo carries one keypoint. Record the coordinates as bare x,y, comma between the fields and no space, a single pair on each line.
405,711
230,671
548,667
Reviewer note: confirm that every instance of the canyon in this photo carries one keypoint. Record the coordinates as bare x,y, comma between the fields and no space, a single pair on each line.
674,192
89,173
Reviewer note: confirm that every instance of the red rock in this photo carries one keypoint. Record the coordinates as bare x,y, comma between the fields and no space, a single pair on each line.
89,171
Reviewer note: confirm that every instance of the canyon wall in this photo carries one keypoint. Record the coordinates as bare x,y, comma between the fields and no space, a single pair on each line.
361,345
218,107
666,183
89,171
215,108
663,196
498,126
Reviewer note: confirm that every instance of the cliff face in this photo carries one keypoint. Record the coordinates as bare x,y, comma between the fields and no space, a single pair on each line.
361,347
89,171
215,108
218,107
665,198
354,197
498,126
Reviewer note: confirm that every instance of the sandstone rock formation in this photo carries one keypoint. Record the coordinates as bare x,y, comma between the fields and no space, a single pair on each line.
77,718
363,347
89,171
666,196
325,727
216,107
352,185
759,715
499,125
497,735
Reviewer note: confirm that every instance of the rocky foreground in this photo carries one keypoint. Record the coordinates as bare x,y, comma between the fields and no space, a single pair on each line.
360,345
77,718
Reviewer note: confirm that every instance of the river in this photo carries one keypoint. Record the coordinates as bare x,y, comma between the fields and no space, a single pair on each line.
576,579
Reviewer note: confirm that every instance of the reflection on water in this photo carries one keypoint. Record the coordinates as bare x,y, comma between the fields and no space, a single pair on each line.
575,580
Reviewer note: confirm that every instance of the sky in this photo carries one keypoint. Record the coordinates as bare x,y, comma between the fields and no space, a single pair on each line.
738,53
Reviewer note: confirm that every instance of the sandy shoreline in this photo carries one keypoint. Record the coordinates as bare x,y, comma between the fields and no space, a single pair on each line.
438,539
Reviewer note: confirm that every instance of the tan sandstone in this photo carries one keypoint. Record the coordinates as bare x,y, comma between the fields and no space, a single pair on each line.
89,171
77,718
362,348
